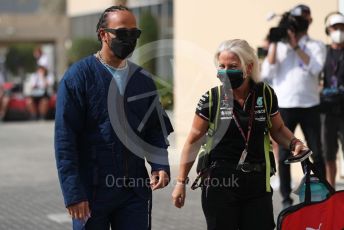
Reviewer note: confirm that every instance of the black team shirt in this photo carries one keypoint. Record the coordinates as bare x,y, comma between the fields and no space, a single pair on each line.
232,143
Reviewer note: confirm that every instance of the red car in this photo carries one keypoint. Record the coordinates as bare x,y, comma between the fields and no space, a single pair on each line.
17,105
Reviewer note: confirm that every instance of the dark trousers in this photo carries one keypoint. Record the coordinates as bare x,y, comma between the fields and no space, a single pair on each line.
309,120
332,130
236,200
122,209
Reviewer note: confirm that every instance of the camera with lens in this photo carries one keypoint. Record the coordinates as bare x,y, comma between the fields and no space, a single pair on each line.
290,22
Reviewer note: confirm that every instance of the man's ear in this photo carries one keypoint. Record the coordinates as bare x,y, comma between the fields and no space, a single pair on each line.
103,35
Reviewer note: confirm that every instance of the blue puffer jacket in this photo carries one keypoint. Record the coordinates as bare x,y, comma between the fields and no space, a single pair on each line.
99,133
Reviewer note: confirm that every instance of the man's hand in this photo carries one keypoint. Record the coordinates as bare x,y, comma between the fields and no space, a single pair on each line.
159,179
294,44
292,39
80,211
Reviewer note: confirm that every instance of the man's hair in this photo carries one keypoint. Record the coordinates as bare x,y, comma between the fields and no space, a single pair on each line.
300,9
102,23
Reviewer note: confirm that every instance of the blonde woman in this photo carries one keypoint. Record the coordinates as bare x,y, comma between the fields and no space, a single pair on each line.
237,194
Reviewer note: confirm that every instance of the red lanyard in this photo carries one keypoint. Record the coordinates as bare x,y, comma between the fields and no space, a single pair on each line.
250,123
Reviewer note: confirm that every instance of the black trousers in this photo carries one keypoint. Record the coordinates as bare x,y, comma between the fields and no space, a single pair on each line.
236,200
309,120
332,130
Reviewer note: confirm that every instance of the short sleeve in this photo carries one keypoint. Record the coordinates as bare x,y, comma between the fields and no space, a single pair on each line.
274,104
202,108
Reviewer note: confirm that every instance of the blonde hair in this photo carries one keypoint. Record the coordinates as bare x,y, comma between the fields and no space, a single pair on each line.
245,53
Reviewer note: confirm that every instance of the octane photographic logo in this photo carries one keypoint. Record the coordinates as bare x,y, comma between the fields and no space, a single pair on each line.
116,104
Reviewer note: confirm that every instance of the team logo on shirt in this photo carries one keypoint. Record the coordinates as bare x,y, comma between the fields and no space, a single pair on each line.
259,101
260,111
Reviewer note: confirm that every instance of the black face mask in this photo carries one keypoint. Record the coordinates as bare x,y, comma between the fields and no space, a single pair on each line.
233,76
122,48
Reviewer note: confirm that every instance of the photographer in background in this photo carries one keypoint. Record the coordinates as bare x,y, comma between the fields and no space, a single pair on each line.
333,93
293,65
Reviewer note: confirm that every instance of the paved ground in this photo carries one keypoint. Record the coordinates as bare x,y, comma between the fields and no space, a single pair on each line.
30,196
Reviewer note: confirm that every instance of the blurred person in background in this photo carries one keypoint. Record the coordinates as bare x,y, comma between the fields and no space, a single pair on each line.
2,96
293,65
333,93
40,88
5,94
42,59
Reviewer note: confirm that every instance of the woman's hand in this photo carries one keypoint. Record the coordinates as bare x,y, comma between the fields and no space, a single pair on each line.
189,154
178,195
299,146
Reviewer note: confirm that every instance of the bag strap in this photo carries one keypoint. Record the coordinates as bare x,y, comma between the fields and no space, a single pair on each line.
217,114
309,167
213,124
267,142
265,86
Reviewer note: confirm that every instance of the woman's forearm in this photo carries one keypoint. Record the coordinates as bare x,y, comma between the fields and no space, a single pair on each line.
192,146
282,136
280,133
188,157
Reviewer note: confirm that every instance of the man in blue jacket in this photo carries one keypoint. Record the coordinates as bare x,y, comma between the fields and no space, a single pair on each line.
108,121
